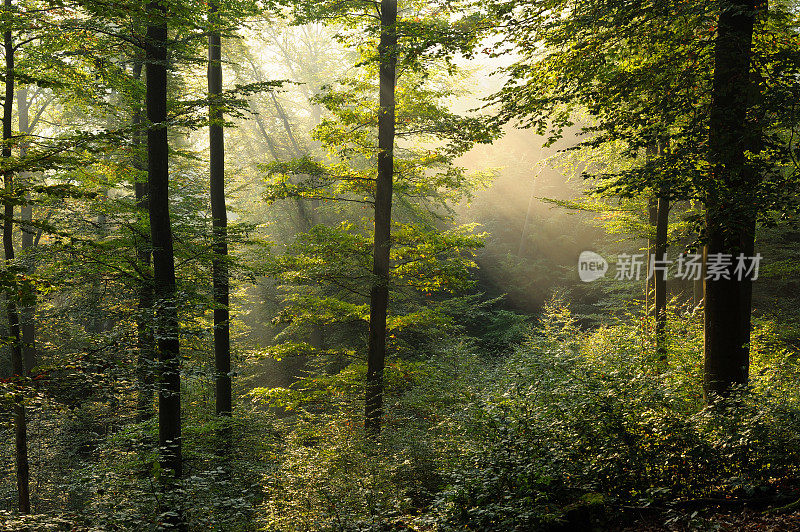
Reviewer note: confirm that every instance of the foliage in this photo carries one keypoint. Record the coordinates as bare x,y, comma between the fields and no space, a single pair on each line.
643,74
332,478
582,424
491,422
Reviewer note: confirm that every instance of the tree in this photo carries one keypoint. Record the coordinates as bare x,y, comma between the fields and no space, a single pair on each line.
660,277
659,253
644,74
729,199
379,292
141,237
635,71
222,342
166,312
18,363
420,43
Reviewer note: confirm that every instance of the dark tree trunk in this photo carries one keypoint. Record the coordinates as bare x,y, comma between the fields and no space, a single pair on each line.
146,362
379,295
652,218
165,304
658,214
219,221
730,217
17,361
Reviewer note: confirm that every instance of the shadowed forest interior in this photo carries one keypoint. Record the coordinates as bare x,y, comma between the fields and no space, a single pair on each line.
369,265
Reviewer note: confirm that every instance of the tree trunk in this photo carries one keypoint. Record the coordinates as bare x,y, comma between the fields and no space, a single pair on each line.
652,219
23,114
652,215
17,361
379,295
286,125
730,217
166,312
219,220
660,278
273,149
27,312
698,285
144,319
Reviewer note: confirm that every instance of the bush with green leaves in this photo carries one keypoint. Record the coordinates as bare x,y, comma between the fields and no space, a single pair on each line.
332,478
579,423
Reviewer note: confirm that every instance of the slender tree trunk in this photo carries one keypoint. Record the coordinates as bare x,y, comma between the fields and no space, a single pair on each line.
697,291
219,220
652,218
166,312
145,364
286,125
17,361
730,220
660,278
652,215
698,285
23,115
273,149
379,295
27,312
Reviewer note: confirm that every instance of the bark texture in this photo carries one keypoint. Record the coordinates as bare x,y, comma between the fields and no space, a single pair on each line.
17,361
730,216
165,304
219,217
379,294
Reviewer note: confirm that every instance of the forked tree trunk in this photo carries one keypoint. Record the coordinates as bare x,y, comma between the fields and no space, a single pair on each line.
379,295
219,221
730,216
17,361
166,312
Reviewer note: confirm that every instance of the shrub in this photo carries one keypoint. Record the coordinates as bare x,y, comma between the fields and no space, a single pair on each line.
579,422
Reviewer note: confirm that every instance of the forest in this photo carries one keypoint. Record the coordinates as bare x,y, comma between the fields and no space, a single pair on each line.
428,265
